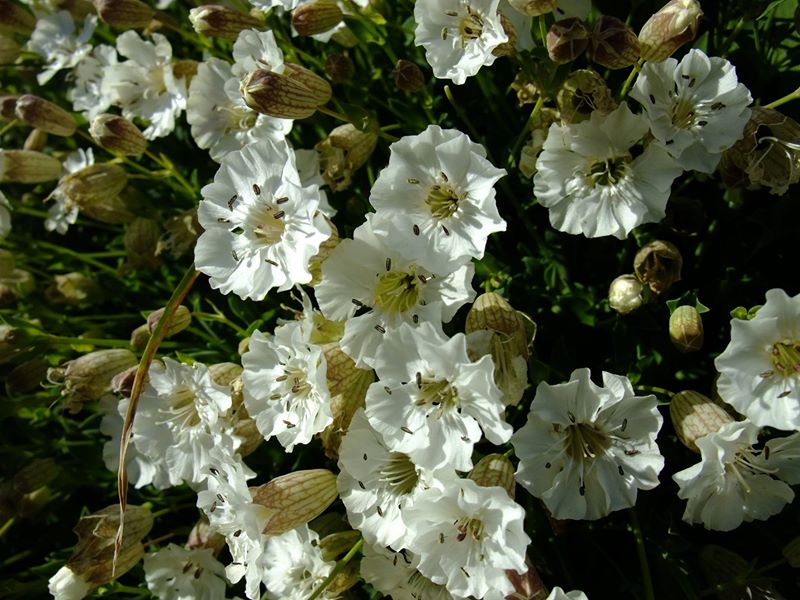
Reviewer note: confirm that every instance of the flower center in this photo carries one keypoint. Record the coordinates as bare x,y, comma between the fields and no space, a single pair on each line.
182,407
397,291
607,172
442,200
469,527
239,118
269,229
786,358
471,25
585,440
683,116
399,473
437,392
297,382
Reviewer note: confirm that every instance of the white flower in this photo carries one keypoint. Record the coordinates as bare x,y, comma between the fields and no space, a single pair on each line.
295,565
558,594
261,226
285,385
733,482
467,537
458,35
378,490
66,585
55,40
145,86
220,120
92,93
256,50
435,201
430,401
760,368
697,108
386,288
592,185
586,450
395,574
174,573
63,211
307,162
5,216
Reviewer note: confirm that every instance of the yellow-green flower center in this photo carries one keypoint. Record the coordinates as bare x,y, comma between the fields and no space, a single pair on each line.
683,116
397,291
786,358
297,382
437,392
469,528
607,172
442,200
270,225
400,473
471,25
182,407
585,441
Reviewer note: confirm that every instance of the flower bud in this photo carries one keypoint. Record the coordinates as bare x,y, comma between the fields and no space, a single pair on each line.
345,150
791,552
614,44
566,40
88,377
8,105
295,499
28,166
141,240
26,376
339,67
124,14
658,264
294,94
533,8
625,294
317,16
203,535
73,289
583,93
345,37
674,25
181,234
35,475
408,76
122,382
181,319
224,373
9,50
17,284
95,185
36,140
79,9
42,114
694,416
494,470
116,134
15,19
686,329
140,337
335,545
214,20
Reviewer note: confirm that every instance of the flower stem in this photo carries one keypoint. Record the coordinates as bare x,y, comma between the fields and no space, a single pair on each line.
6,526
11,124
342,117
337,569
525,130
647,580
629,81
543,30
787,98
655,390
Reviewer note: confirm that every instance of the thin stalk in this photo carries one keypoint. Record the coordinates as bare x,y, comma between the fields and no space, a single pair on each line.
88,260
629,81
11,124
342,117
337,569
641,552
6,526
543,30
787,98
103,343
654,389
525,130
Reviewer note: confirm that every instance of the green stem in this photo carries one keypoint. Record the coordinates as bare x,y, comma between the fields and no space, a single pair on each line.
167,165
6,526
219,319
543,30
11,124
342,117
787,98
103,343
641,552
629,81
83,258
525,130
337,569
655,390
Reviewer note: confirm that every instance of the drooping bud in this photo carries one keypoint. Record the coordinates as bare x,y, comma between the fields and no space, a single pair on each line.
9,50
16,284
566,40
674,25
181,234
658,264
533,8
94,184
73,289
214,20
124,14
36,140
88,377
614,44
339,67
117,134
28,166
694,416
344,150
8,105
294,499
122,382
335,545
15,19
141,240
791,552
686,329
408,76
181,319
494,470
27,376
625,294
140,336
317,16
43,114
35,475
294,94
583,93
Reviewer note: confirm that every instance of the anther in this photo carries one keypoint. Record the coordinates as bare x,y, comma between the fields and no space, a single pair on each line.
256,189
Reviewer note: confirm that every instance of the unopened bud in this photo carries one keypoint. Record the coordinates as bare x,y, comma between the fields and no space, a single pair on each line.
8,105
181,234
345,37
614,44
88,377
791,552
494,470
122,382
35,475
674,25
625,294
94,185
79,9
124,14
185,69
27,376
333,546
36,140
224,373
140,336
117,134
43,114
180,320
203,535
345,150
15,19
9,50
214,20
294,94
534,8
141,240
659,265
566,40
339,67
317,16
28,166
686,329
583,93
294,499
73,289
408,76
16,284
694,416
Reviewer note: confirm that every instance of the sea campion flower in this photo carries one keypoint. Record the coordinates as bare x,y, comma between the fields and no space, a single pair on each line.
760,368
734,482
92,93
174,573
64,210
587,176
256,50
458,35
586,450
56,40
395,574
696,108
261,225
431,401
294,565
436,198
467,537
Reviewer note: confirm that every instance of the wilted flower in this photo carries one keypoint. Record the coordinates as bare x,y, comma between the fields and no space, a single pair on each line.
614,44
659,265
